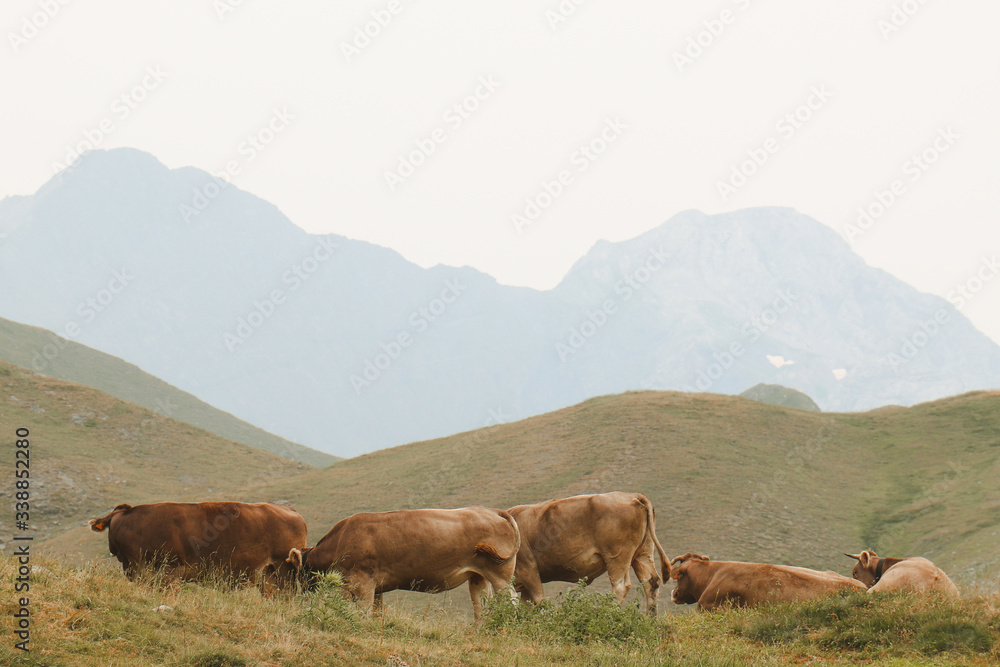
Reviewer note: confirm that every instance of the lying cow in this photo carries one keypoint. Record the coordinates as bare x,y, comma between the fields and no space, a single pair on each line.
585,536
714,583
893,574
427,550
244,540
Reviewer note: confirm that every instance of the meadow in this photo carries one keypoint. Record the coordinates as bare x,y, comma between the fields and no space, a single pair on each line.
91,616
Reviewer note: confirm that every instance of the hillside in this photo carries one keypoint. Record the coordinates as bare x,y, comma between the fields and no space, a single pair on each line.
91,451
347,347
730,477
775,394
43,351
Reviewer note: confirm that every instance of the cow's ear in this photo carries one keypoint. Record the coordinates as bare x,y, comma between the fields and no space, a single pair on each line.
96,525
295,559
865,558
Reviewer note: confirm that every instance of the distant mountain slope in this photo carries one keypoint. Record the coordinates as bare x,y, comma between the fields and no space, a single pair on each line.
346,347
775,394
41,350
91,451
729,477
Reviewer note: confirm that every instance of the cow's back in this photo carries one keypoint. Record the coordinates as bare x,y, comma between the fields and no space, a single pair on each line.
243,537
428,549
915,574
751,584
566,537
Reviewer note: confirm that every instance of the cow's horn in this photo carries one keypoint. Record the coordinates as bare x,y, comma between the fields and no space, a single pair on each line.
855,557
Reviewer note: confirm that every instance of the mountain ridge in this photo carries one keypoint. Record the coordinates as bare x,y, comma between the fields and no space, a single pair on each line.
346,346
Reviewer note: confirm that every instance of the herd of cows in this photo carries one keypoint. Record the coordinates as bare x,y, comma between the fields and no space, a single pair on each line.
434,550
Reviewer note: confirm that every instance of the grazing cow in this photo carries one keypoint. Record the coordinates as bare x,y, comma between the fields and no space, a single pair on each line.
714,583
242,539
429,550
893,574
585,536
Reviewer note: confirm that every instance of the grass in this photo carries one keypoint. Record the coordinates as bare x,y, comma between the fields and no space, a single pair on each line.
89,615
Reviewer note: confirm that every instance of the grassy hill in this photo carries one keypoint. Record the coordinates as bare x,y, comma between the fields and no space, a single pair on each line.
775,394
91,451
730,477
43,351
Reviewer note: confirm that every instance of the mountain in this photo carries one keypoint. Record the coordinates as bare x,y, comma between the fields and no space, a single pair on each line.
346,347
775,394
730,477
91,451
33,347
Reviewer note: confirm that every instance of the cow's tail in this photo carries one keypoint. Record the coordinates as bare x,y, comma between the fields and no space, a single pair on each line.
489,550
98,525
651,531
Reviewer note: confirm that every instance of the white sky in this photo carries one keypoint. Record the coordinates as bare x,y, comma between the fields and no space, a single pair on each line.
683,131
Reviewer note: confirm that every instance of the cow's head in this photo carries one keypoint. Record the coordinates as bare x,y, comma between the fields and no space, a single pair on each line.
298,561
864,569
684,570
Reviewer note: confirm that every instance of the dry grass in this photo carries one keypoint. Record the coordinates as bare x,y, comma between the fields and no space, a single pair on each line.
91,616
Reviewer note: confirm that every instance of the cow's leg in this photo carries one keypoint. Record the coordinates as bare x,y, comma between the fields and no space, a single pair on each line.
498,583
378,607
478,588
621,583
529,584
362,589
645,572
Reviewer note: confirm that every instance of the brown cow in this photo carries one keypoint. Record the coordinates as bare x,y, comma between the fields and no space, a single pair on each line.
714,583
892,574
429,550
242,539
583,537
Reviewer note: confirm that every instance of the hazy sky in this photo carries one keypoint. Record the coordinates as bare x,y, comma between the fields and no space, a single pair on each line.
429,134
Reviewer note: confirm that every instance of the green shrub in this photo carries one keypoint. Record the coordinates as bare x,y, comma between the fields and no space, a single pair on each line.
578,617
326,606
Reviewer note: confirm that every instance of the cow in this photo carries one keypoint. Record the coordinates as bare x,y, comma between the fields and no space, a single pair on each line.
715,583
892,574
241,540
429,550
583,537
